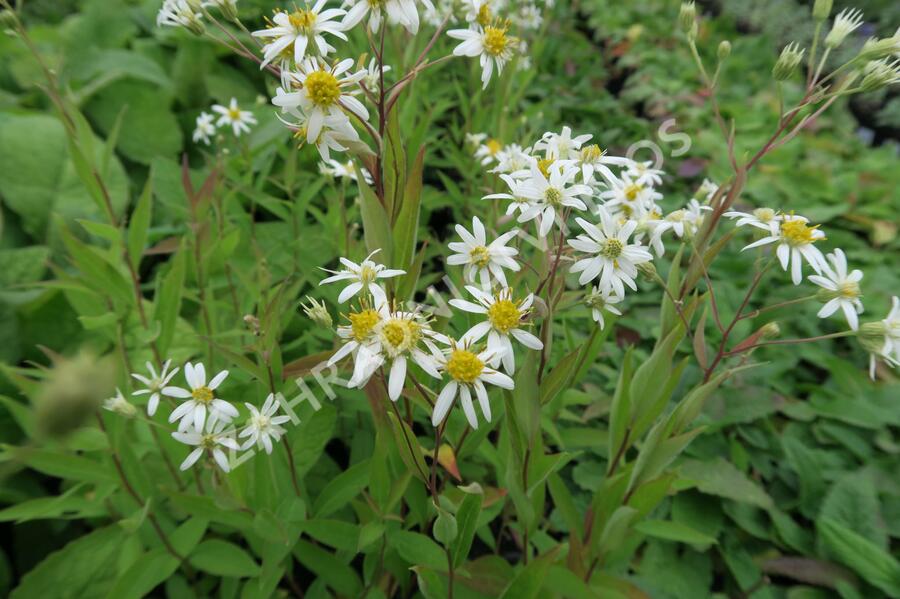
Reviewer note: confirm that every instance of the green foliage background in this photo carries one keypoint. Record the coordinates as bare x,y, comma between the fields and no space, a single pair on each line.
794,482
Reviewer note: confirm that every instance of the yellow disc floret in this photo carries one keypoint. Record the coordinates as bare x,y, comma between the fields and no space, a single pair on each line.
796,232
553,196
591,153
480,256
302,20
493,146
504,315
202,394
632,191
544,166
400,334
612,248
495,41
362,323
464,366
484,16
322,88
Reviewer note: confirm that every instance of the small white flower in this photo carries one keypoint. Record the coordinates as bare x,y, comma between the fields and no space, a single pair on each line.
468,371
404,12
886,332
343,170
119,405
486,152
204,128
643,173
200,399
178,13
795,241
684,222
512,158
240,120
325,91
505,318
593,159
490,44
847,21
626,191
766,219
300,28
516,195
551,193
840,288
372,80
482,259
474,139
601,299
362,277
211,439
264,426
707,190
336,134
529,17
612,258
154,384
561,146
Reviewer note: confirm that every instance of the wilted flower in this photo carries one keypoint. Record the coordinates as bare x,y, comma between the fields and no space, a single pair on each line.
118,404
317,312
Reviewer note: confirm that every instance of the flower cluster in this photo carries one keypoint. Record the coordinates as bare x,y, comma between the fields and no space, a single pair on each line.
229,116
204,420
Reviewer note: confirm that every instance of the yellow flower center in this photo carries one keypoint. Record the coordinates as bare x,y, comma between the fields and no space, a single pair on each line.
612,248
495,41
493,146
362,323
796,232
202,394
764,215
234,114
322,88
849,290
553,196
302,20
632,191
367,274
484,15
400,334
676,216
208,442
480,256
261,421
504,315
544,166
591,153
464,366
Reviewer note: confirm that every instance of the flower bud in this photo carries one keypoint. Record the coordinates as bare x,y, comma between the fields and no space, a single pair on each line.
687,17
787,63
879,73
648,270
228,8
770,330
317,313
7,19
724,50
72,392
117,403
874,48
847,21
822,9
871,336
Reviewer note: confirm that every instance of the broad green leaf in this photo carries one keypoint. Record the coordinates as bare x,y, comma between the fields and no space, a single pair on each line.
873,564
139,224
673,531
222,558
332,570
376,224
340,490
529,580
467,520
719,477
418,549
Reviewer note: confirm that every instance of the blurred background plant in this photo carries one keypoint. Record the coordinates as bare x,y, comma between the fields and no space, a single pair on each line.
797,452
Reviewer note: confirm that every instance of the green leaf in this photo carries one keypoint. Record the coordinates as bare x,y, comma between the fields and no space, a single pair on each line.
376,224
719,477
673,531
445,528
139,224
84,568
340,490
418,549
873,564
63,465
528,582
407,225
223,558
334,572
852,502
467,520
168,301
313,434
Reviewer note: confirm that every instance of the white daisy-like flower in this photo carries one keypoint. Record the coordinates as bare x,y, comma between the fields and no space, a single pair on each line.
483,260
551,193
201,399
612,257
491,44
263,427
299,28
626,191
239,120
766,219
884,338
847,21
343,170
210,439
360,341
684,222
178,13
474,140
154,384
561,146
529,17
707,190
336,134
403,12
118,404
598,300
488,151
795,239
643,173
204,128
512,158
468,371
435,13
505,318
325,91
840,288
479,12
362,277
516,195
372,80
592,159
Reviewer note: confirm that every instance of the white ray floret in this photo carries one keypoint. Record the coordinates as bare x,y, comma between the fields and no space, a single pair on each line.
362,277
154,384
202,403
840,288
263,428
468,372
232,116
299,29
794,241
212,439
551,194
482,260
